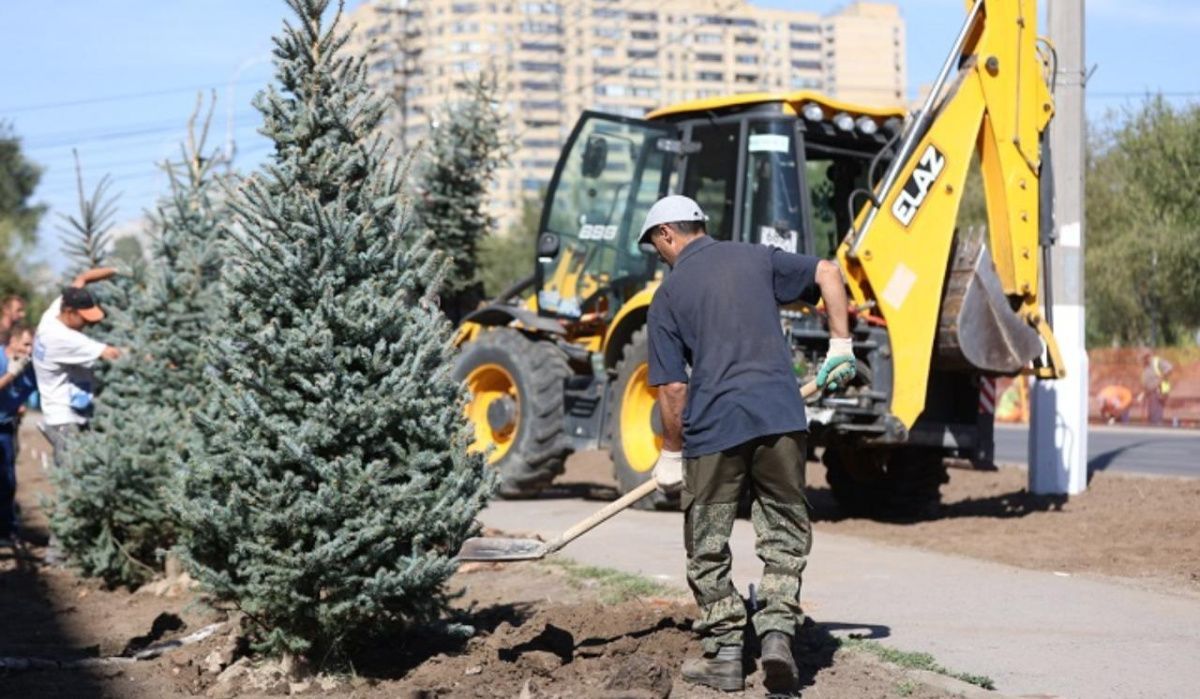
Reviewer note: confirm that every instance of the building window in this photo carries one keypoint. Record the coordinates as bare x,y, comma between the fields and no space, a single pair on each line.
643,16
607,32
747,60
540,46
703,38
644,35
710,76
745,40
534,105
639,54
603,51
710,57
538,67
464,8
804,28
530,27
806,45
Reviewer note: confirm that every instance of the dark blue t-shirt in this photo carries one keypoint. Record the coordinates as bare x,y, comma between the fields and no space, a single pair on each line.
16,393
718,312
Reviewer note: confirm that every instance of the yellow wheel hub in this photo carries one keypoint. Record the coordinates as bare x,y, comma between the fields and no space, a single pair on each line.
494,410
638,441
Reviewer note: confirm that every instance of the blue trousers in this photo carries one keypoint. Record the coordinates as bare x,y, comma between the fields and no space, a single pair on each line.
8,482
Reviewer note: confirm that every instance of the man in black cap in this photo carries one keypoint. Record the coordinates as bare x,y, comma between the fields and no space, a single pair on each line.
63,358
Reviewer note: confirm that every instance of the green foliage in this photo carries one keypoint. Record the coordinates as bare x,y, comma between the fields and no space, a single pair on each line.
1143,227
615,586
506,259
88,235
18,217
335,488
461,156
914,661
112,514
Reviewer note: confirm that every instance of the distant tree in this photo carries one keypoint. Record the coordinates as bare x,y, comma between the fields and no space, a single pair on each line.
1143,226
19,217
464,149
509,258
127,250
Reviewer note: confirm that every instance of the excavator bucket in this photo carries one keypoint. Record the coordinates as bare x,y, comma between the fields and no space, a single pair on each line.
978,328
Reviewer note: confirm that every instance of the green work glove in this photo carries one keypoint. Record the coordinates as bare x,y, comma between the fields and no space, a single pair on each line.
839,367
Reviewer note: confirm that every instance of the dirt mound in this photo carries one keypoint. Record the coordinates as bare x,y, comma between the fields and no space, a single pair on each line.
630,649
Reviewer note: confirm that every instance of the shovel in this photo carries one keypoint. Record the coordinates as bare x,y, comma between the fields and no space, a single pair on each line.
481,548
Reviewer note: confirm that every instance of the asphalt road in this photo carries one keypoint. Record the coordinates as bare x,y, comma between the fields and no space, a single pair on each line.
1161,451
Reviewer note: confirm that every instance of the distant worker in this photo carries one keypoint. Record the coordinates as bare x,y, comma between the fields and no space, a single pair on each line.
1156,386
1115,401
16,385
12,311
63,358
737,419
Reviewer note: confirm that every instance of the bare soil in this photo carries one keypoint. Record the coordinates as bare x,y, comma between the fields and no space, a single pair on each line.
539,631
1138,528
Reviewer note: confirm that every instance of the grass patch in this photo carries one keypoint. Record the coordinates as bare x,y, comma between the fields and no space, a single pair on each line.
914,661
613,585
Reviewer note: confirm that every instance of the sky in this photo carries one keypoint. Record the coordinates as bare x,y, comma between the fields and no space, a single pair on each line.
117,79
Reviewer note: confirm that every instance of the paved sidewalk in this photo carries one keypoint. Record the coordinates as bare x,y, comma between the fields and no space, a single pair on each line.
1032,632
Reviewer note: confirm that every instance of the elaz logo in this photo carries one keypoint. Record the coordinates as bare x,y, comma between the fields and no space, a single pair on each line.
917,188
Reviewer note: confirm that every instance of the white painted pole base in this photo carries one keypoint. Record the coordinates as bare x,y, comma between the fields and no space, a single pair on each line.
1058,426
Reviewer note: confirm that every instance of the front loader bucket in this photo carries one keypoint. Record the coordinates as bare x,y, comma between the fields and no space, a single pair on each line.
978,328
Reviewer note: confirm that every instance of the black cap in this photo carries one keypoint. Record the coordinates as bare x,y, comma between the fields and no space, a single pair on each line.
81,300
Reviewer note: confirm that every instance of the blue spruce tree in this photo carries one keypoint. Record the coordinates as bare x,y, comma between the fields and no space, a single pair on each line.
463,151
336,487
112,513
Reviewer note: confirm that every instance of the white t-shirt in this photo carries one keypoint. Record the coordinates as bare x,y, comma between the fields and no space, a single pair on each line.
62,360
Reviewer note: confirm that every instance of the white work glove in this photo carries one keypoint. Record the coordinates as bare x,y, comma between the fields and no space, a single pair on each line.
17,365
839,367
668,472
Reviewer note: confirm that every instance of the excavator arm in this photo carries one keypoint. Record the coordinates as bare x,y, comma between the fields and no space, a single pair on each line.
943,294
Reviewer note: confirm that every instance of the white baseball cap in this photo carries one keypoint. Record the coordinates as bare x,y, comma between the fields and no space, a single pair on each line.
670,209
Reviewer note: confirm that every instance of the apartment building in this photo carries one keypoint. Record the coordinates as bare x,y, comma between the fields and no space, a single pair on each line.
555,59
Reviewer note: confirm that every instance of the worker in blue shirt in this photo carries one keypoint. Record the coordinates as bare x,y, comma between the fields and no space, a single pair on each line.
16,384
733,416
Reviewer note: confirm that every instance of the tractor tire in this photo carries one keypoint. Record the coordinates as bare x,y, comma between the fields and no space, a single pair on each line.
635,442
516,407
902,483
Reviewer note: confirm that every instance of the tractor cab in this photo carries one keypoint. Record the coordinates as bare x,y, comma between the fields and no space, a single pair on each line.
767,169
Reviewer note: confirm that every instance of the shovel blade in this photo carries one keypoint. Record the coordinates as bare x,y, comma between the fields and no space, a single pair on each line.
500,549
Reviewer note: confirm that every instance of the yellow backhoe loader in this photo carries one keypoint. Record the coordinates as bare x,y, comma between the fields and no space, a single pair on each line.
557,363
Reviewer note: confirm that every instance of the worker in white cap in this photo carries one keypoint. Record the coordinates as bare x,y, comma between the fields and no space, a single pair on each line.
733,416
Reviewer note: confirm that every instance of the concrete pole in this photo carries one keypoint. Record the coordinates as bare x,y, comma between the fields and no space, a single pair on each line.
1058,433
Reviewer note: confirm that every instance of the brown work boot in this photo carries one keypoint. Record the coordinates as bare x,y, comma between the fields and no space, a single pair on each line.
721,670
778,664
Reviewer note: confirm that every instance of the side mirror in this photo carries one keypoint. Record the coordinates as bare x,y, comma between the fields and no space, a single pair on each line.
547,246
595,156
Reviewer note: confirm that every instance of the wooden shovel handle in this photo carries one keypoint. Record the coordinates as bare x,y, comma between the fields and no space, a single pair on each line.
627,499
601,515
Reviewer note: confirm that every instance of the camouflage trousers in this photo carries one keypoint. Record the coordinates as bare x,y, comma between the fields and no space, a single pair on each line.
773,468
